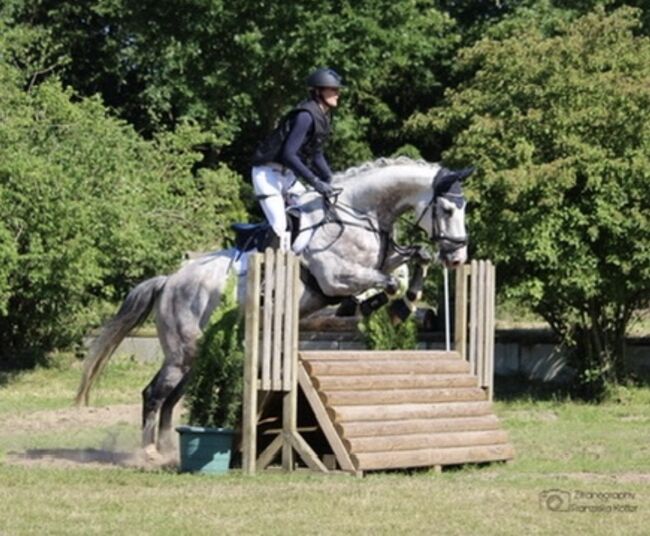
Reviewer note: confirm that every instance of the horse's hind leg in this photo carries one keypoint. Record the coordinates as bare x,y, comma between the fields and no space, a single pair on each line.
153,397
165,436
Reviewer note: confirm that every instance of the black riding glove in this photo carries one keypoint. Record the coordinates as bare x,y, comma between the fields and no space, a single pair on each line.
323,188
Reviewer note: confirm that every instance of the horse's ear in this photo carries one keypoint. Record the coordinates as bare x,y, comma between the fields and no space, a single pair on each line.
447,177
462,174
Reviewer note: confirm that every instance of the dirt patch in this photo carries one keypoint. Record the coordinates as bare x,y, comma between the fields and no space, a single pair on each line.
109,453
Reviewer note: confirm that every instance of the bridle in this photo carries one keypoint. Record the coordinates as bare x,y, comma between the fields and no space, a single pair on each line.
446,244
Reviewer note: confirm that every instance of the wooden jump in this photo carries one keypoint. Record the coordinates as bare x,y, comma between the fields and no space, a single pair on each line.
376,409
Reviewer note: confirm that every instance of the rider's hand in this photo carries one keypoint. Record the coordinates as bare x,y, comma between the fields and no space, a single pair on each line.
324,188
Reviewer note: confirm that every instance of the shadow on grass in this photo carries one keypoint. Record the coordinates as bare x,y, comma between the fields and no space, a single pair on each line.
82,456
6,377
520,388
92,456
514,388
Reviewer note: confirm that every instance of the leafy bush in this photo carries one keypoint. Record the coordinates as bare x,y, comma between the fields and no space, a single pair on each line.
88,209
215,391
380,333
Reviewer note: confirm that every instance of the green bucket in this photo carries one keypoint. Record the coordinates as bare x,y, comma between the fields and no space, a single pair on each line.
205,450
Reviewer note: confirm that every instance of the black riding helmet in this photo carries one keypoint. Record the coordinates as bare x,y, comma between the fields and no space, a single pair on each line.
324,77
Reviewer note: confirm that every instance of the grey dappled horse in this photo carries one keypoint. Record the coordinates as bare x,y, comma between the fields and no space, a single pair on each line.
347,247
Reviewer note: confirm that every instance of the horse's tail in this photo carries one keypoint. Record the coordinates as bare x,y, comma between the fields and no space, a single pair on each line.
133,312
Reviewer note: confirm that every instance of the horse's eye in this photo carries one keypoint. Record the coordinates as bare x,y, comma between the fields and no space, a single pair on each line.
448,212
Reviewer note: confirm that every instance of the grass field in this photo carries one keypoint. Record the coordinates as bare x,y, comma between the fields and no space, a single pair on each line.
596,458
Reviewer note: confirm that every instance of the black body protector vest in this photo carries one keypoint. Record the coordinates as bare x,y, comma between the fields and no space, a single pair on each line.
270,150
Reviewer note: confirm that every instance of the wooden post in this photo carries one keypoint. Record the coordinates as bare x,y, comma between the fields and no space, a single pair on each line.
278,311
249,425
290,399
269,282
490,328
460,308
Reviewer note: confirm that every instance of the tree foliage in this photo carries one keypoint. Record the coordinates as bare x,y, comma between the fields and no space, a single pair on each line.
242,64
89,208
558,124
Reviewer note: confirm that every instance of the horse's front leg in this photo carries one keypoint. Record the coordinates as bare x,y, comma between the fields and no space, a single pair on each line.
401,308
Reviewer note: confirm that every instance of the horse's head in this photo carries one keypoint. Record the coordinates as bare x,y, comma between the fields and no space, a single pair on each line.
444,216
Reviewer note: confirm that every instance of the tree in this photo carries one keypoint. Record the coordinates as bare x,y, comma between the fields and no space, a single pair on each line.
242,64
559,127
88,208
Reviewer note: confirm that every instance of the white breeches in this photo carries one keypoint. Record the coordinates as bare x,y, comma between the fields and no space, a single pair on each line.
272,186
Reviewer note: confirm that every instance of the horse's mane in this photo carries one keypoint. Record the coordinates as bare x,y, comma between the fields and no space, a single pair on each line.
380,163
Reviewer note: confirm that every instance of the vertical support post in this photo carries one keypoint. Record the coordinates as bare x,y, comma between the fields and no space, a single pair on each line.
480,327
490,333
473,318
447,319
278,312
460,311
251,338
290,398
269,284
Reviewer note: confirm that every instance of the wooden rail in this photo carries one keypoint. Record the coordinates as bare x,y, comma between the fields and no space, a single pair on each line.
474,320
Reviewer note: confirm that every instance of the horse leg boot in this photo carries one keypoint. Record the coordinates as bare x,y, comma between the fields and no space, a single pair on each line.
402,308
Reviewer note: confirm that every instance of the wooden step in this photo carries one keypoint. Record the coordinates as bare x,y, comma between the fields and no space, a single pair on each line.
383,367
425,441
373,355
354,429
367,461
393,381
408,411
401,396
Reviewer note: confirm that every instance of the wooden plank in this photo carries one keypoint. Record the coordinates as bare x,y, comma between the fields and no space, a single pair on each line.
278,310
491,329
473,317
460,311
408,411
287,321
393,381
425,441
270,452
374,355
431,457
267,339
289,427
306,453
251,338
287,318
480,322
324,421
354,429
358,368
401,396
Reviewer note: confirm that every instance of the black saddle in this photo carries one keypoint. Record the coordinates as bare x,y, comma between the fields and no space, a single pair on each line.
259,236
252,236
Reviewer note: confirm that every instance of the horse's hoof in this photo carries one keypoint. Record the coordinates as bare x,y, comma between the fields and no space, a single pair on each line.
399,311
152,455
348,307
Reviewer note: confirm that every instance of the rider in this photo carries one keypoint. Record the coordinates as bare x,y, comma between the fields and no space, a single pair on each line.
295,149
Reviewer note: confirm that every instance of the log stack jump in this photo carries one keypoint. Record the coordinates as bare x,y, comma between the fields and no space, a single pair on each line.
377,410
